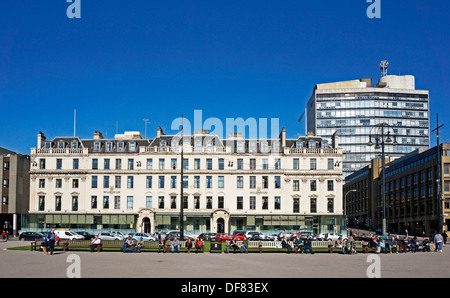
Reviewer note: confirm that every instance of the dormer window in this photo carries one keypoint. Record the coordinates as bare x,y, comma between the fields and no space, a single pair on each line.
97,146
276,146
264,147
109,146
299,144
311,144
174,143
48,145
209,142
198,142
252,146
74,145
120,146
163,143
132,146
60,145
240,146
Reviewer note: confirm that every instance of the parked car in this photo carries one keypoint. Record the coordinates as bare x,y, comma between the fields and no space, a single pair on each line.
239,236
118,234
239,231
286,234
108,236
86,235
331,236
294,236
144,236
68,235
172,234
31,236
208,236
221,237
257,235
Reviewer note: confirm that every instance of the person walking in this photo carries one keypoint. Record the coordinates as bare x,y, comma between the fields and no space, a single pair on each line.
51,236
161,245
438,241
444,237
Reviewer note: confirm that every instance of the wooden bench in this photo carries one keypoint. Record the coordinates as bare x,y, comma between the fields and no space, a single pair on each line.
108,244
276,245
183,246
36,245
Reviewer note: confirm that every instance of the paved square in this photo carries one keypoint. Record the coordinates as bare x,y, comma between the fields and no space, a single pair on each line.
28,264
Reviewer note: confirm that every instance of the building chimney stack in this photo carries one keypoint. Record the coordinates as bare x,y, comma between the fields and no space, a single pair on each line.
98,135
40,139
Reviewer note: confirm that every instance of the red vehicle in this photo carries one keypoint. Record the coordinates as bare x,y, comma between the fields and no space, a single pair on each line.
227,237
223,237
239,236
294,236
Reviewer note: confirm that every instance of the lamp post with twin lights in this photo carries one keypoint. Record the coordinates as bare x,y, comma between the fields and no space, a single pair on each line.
382,136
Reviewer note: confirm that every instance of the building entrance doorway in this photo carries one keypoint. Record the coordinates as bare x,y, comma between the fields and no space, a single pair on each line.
220,225
146,225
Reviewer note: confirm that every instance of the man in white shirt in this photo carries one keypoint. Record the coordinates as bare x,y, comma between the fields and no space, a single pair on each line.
96,242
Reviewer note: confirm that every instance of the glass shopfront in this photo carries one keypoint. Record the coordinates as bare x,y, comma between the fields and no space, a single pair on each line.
79,222
194,224
273,224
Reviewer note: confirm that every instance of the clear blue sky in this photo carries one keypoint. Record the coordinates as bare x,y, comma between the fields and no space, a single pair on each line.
128,60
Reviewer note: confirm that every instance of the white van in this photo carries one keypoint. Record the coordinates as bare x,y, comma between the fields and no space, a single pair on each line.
68,235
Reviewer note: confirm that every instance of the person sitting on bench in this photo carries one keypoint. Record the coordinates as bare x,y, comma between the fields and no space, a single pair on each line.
198,244
127,245
175,245
298,244
96,243
233,245
285,244
307,245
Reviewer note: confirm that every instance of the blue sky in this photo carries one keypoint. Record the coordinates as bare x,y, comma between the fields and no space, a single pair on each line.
124,61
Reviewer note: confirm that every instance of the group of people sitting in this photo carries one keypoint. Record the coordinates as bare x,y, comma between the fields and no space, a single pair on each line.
131,245
394,244
175,244
233,245
302,246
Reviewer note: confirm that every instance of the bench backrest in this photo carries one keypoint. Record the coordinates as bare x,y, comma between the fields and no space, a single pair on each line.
277,244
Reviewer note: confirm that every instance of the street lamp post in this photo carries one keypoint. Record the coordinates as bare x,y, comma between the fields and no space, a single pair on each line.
181,184
382,137
345,202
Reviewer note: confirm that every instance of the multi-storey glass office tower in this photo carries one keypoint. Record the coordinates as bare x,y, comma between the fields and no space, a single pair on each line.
353,108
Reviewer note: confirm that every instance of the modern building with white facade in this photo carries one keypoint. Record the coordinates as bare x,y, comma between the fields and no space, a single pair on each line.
132,183
354,108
